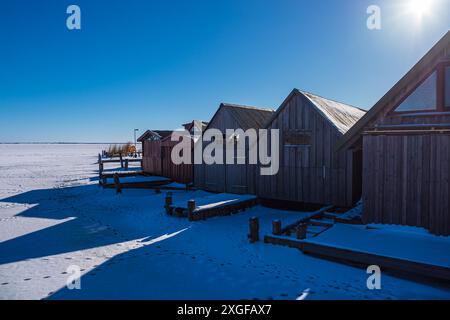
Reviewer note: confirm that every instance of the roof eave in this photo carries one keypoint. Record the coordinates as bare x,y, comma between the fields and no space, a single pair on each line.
349,137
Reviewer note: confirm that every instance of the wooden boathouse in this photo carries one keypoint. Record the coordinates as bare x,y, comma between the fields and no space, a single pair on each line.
405,142
151,150
232,178
311,172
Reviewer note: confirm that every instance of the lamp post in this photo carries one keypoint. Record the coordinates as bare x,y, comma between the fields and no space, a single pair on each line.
135,143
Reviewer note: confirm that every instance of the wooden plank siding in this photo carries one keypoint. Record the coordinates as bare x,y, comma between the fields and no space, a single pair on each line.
232,178
310,173
406,180
182,173
151,160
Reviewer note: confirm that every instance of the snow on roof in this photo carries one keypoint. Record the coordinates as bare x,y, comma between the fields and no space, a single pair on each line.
342,116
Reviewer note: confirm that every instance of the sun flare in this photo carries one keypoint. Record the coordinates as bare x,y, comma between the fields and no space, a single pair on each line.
420,8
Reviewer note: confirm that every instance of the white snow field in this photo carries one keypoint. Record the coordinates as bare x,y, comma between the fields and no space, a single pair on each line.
53,215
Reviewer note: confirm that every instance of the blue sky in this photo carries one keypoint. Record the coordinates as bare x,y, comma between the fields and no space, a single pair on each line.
157,64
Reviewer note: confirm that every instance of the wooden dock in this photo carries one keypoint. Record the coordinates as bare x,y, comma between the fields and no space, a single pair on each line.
202,208
133,181
357,257
364,259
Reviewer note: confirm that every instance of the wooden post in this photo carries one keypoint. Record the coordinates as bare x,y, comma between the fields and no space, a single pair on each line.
254,229
301,231
191,207
100,168
121,160
276,227
126,164
168,203
117,183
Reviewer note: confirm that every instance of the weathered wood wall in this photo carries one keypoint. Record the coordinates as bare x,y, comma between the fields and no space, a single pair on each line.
311,173
151,159
182,173
406,180
237,178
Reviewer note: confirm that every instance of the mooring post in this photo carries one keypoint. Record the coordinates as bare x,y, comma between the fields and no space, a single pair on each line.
100,168
100,173
126,164
99,158
121,160
301,231
276,227
191,208
254,229
117,183
168,204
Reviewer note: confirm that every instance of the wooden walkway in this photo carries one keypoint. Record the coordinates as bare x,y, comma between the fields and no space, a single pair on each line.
321,223
202,208
135,181
364,259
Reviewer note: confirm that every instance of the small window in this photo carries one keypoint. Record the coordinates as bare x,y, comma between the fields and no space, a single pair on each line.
296,138
423,98
447,87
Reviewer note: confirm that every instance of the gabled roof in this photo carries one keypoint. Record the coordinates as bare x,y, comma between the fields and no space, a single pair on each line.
158,133
199,124
246,116
352,134
341,116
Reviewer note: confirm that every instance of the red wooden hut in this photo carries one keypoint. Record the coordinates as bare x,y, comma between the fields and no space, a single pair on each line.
182,173
151,150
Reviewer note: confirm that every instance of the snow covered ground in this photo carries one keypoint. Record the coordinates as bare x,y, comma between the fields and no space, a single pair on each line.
53,215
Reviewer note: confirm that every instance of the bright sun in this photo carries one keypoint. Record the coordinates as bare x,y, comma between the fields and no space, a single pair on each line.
420,7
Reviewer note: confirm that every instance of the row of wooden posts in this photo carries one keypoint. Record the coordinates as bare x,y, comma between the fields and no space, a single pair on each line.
124,163
253,236
169,208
